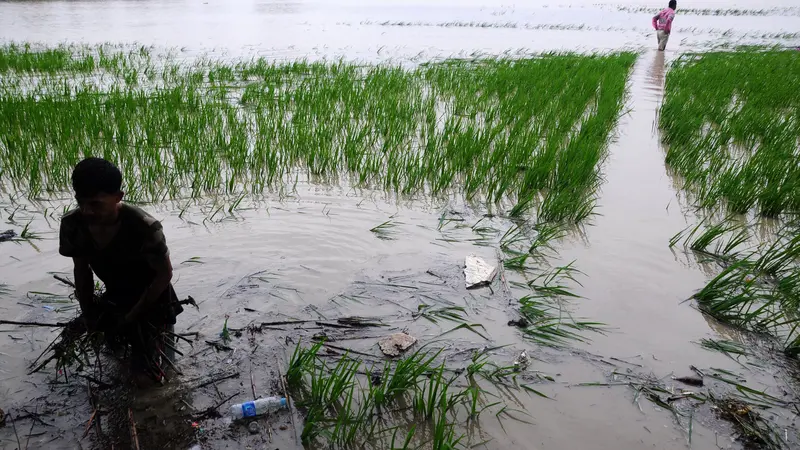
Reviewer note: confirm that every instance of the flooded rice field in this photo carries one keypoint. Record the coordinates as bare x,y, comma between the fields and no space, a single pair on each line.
595,297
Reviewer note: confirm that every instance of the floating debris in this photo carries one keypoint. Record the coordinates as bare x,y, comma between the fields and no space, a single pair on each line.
520,323
691,381
752,430
7,235
360,322
253,427
478,272
397,343
376,378
521,362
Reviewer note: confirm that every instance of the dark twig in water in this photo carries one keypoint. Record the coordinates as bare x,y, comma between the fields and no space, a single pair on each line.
134,435
270,324
626,362
211,412
169,361
173,334
360,322
34,324
14,425
93,403
221,378
172,347
219,346
65,281
101,384
286,396
252,382
284,322
348,350
30,431
89,424
333,325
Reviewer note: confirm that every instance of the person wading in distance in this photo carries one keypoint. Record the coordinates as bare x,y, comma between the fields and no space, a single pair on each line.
126,249
662,22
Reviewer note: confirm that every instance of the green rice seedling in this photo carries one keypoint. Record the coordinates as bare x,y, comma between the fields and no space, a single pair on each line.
353,418
328,386
402,376
744,392
444,435
717,231
434,394
451,313
732,350
473,399
194,260
408,438
545,234
301,362
730,297
468,326
479,361
385,231
554,284
225,334
517,263
330,393
27,234
552,326
480,364
534,391
730,237
724,346
513,238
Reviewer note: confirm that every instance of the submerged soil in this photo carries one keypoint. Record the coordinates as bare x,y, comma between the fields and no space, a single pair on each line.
312,256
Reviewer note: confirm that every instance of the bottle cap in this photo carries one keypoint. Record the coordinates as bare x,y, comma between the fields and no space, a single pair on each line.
283,401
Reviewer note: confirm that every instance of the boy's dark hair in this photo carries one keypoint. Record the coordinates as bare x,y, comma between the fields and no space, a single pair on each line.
96,175
673,4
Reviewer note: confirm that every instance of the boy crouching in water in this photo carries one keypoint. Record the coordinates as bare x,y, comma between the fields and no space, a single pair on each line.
125,247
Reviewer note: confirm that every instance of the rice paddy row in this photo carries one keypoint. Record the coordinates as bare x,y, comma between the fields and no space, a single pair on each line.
533,131
696,31
731,123
778,11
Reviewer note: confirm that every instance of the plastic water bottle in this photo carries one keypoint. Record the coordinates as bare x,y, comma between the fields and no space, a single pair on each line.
257,407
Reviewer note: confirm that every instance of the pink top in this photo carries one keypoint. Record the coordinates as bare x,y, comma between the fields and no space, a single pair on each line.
663,20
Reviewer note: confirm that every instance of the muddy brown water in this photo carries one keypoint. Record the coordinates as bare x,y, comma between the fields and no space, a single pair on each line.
312,256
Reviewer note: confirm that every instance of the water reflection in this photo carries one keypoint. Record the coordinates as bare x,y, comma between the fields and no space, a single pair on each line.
655,76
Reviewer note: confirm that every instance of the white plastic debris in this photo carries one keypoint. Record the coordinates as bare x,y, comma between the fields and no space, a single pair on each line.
397,343
478,272
521,362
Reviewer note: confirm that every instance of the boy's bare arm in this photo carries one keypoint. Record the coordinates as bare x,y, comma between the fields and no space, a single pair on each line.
157,255
153,292
84,282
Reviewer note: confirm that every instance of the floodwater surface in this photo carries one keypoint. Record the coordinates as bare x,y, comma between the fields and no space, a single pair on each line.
312,254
